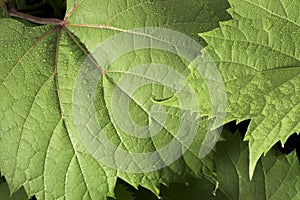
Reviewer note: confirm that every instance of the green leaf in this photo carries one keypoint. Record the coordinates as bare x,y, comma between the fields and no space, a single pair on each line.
276,175
257,54
202,16
41,147
36,149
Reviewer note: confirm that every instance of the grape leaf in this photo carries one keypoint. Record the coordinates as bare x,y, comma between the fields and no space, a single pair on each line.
258,56
276,175
41,148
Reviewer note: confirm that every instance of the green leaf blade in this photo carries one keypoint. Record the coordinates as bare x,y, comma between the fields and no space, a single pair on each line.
259,60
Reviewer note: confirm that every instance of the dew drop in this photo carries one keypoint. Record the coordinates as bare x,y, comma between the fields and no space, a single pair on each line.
214,193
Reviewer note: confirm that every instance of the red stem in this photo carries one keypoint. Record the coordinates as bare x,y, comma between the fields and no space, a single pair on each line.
12,12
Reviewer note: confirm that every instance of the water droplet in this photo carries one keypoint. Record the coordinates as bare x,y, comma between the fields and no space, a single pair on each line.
214,193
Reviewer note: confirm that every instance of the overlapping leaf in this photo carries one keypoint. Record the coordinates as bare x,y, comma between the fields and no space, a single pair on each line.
258,56
276,175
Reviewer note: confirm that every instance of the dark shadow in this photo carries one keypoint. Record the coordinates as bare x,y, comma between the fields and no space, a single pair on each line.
41,8
292,143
